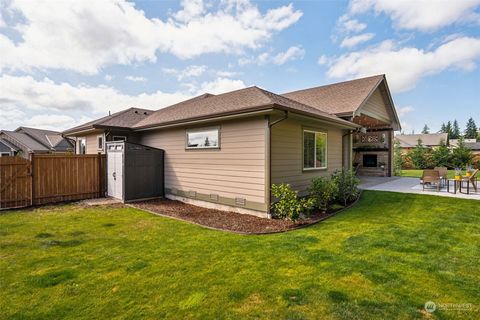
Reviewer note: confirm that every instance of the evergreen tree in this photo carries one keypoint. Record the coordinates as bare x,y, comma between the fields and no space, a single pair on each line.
448,129
426,129
418,155
397,158
455,130
461,155
443,129
471,130
441,155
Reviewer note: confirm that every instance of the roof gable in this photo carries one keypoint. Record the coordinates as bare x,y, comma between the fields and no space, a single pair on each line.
338,98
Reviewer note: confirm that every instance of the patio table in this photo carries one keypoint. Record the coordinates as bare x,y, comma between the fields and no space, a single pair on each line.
457,185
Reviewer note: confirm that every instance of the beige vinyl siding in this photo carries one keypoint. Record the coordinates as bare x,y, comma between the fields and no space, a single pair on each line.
91,144
287,152
376,106
236,170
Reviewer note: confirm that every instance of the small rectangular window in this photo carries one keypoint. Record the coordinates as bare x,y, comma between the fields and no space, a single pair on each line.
203,139
314,150
119,138
4,154
100,142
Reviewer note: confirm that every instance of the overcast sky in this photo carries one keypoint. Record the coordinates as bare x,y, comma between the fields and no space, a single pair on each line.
66,62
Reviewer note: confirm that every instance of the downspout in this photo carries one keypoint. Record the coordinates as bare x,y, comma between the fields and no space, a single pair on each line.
268,179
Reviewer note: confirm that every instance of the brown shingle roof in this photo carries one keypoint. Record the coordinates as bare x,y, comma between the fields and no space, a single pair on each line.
122,119
234,102
338,98
430,139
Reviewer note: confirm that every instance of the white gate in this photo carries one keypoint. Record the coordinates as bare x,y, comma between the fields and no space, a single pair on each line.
115,170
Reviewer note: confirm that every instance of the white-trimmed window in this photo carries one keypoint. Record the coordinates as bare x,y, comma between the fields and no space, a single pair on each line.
208,138
100,142
119,138
314,150
4,154
81,145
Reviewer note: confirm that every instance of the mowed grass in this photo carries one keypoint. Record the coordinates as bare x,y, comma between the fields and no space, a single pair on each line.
382,259
418,173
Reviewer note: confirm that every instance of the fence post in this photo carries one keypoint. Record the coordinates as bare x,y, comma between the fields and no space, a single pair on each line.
100,176
32,180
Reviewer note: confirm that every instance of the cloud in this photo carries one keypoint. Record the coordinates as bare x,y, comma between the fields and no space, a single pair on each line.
85,36
189,72
61,105
346,24
349,42
108,77
136,79
292,53
421,15
405,110
221,85
405,66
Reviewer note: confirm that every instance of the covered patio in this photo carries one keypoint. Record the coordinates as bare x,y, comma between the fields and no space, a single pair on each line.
411,185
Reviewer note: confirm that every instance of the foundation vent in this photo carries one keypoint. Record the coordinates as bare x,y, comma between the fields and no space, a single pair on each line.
240,202
214,197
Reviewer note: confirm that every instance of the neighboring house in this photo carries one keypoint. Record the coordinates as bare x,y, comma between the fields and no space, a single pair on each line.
7,149
226,150
90,137
471,144
24,141
429,140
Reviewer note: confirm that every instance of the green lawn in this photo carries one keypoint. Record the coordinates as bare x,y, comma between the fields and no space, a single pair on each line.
418,173
382,259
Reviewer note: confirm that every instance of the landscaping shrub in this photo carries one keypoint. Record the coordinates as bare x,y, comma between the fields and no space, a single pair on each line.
461,155
442,156
322,191
347,186
288,204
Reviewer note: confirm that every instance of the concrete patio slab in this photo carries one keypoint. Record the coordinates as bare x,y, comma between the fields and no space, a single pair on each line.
411,185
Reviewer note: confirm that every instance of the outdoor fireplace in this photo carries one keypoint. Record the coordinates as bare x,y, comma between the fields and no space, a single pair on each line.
370,160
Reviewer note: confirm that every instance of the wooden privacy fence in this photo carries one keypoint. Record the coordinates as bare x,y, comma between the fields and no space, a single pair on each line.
51,178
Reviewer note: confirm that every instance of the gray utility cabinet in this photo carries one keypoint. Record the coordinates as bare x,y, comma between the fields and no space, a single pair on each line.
134,171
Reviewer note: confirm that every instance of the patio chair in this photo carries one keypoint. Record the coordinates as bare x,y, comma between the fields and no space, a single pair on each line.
472,179
443,171
431,177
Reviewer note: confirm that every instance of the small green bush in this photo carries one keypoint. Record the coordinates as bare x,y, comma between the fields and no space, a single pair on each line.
322,191
288,204
347,184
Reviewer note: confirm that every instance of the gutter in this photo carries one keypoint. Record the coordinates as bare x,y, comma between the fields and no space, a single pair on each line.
268,171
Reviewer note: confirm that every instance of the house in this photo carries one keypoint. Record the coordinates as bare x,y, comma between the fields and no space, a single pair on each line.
471,144
90,137
226,150
24,141
429,140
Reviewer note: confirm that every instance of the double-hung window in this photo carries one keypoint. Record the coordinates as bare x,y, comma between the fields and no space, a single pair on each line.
314,150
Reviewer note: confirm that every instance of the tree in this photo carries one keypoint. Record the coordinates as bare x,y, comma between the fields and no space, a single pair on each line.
418,155
471,129
448,130
455,130
441,155
397,158
443,128
461,155
426,129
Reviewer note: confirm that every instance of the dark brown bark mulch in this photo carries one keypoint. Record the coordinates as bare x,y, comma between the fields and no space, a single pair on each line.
231,221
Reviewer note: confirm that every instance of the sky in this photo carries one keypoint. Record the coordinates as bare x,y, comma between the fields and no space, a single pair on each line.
63,63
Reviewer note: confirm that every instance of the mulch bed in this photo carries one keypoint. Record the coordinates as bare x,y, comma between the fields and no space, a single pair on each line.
223,220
